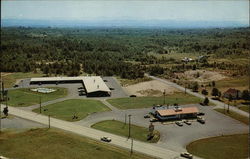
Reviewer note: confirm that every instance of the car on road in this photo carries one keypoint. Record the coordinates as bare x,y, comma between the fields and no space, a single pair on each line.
200,114
106,139
153,120
146,116
201,120
187,122
178,123
186,155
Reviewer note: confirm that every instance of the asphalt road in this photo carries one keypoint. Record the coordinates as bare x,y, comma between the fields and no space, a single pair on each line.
218,103
148,149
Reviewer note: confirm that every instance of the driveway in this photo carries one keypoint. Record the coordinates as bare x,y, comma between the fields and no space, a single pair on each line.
174,137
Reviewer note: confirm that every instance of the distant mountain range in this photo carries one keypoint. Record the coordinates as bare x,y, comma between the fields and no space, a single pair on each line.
120,23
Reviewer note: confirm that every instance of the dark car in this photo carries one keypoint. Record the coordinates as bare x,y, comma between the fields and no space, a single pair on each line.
106,139
201,120
200,114
132,95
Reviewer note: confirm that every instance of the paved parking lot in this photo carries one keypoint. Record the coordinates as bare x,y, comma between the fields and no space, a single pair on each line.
173,136
116,90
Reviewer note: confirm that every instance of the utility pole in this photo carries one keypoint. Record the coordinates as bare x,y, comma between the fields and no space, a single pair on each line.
131,150
164,96
0,115
129,126
40,102
49,120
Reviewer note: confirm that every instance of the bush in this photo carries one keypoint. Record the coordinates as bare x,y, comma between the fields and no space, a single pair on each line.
206,101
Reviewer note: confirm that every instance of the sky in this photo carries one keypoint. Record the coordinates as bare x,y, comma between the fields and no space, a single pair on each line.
180,10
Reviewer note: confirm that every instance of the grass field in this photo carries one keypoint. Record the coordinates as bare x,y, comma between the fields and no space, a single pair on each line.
10,79
65,110
55,144
145,102
223,147
119,128
25,97
234,115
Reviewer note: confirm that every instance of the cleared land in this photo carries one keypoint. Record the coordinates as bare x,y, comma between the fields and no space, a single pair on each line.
67,109
223,147
52,144
234,115
25,97
146,102
127,82
201,76
11,78
150,88
119,128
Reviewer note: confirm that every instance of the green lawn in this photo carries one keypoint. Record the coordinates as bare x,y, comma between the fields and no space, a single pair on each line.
244,108
10,80
55,144
234,115
65,110
223,147
25,97
119,128
145,102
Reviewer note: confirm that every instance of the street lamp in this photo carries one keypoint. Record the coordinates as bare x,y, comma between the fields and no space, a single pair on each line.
129,126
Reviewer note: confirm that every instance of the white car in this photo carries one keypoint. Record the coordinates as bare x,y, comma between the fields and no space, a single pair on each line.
187,122
186,155
106,139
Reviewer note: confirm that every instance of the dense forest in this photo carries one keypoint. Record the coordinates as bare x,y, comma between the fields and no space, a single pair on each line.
117,51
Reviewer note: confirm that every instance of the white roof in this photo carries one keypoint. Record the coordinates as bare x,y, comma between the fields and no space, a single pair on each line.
91,83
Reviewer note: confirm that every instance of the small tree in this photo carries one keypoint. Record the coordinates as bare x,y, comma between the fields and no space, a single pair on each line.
206,101
204,92
245,95
213,83
215,92
195,87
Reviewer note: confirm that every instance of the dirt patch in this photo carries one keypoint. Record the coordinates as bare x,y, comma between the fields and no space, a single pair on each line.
150,88
202,76
6,73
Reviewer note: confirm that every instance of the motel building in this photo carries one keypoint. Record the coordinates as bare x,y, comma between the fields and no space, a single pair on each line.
94,86
176,113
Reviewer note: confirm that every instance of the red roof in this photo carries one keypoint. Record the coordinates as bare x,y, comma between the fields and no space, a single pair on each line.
167,112
232,90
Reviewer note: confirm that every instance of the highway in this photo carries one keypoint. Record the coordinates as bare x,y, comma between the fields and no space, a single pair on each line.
141,147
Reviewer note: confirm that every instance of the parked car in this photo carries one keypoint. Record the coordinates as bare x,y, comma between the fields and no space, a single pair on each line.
186,155
106,139
132,96
201,120
15,86
153,120
187,122
146,116
178,123
200,114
